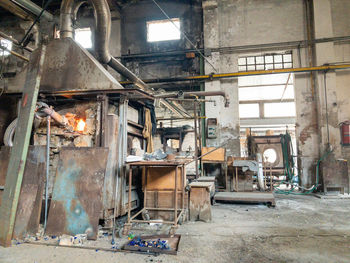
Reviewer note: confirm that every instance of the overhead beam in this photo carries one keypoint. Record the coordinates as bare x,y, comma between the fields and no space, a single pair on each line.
19,150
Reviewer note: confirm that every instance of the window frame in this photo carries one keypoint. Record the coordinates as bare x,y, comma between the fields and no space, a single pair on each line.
250,62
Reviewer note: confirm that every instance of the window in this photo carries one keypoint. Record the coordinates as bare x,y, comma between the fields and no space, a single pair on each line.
285,109
266,96
5,44
83,37
162,30
249,110
265,62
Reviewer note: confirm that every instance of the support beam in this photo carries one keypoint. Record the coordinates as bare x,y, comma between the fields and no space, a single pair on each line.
19,151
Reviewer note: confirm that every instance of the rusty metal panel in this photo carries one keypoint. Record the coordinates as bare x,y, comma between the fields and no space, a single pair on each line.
77,194
109,182
30,201
30,198
4,162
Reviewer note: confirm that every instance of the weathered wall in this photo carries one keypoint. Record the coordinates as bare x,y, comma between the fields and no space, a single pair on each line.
134,40
16,28
230,23
236,23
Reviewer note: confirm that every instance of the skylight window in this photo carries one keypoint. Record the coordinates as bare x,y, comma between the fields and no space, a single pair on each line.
83,37
5,44
163,30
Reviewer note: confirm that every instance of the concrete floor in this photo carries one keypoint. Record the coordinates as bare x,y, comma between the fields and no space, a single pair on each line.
299,229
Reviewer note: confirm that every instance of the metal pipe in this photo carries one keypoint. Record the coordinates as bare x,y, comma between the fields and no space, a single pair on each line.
103,31
23,43
244,73
116,65
196,94
102,34
14,53
14,41
16,10
54,115
35,9
48,135
195,137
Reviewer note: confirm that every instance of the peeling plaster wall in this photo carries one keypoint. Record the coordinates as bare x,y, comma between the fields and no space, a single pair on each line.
341,22
230,23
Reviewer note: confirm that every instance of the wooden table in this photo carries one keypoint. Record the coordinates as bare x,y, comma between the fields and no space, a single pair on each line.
178,212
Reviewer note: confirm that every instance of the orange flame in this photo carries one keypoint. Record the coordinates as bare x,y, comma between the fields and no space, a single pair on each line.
81,125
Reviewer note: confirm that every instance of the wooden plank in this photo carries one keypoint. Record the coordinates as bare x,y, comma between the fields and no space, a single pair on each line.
20,148
76,202
246,197
217,155
163,178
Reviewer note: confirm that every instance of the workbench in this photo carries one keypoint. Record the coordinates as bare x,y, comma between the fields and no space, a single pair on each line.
157,177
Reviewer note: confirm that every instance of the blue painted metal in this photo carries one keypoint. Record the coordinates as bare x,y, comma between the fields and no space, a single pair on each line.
76,203
65,192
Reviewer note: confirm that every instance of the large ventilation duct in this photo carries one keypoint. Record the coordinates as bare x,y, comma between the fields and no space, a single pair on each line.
103,31
33,8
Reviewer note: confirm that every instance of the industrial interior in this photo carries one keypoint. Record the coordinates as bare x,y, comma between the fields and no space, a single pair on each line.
174,131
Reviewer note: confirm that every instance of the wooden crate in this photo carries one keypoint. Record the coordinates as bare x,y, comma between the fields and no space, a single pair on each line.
216,156
164,199
200,205
163,178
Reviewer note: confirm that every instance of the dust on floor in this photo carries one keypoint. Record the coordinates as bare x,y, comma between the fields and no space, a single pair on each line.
299,229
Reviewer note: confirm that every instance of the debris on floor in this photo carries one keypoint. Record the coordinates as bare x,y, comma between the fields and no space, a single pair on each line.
163,244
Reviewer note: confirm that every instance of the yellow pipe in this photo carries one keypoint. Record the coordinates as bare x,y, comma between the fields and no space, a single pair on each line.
273,71
258,72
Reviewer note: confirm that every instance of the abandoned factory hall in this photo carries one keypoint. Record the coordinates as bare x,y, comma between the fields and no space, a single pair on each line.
174,131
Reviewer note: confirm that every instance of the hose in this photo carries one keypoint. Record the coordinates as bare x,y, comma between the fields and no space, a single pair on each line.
10,132
312,188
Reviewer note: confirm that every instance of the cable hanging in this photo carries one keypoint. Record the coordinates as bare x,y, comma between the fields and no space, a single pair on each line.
183,33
